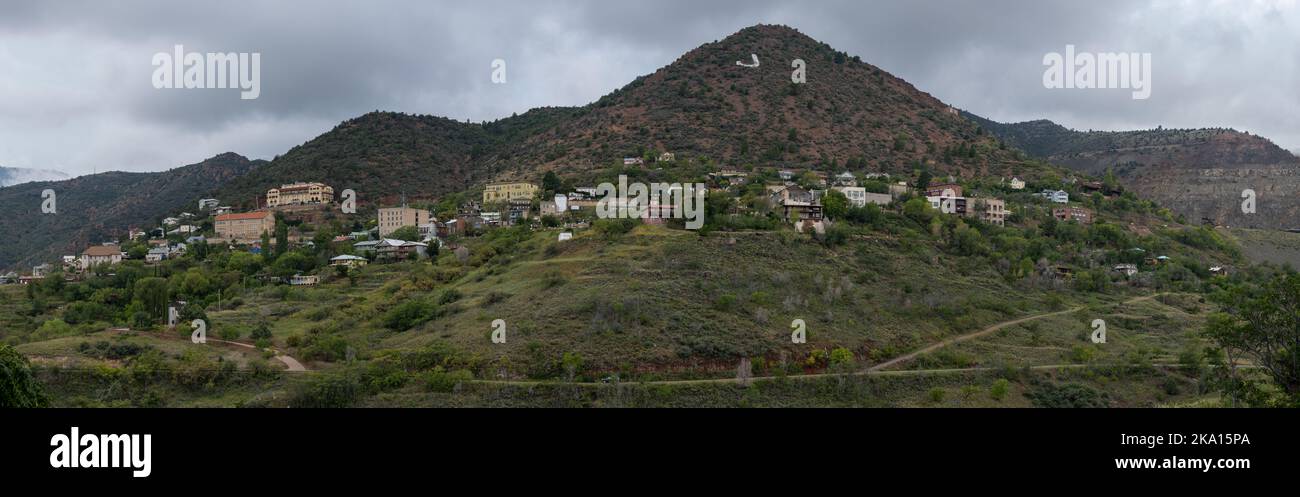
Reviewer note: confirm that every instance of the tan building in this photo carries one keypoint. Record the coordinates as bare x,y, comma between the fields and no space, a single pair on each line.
100,254
299,193
497,192
245,227
392,218
989,210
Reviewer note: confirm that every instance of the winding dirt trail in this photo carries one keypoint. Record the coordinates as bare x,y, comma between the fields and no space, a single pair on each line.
289,362
986,331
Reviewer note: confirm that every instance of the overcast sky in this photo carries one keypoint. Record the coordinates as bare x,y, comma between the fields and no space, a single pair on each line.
76,92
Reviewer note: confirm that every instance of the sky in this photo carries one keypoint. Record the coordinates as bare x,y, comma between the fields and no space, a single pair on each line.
77,90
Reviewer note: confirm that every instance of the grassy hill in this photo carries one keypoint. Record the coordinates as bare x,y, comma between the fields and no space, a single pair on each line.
903,306
670,314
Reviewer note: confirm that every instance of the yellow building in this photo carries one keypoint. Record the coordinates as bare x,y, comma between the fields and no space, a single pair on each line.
299,193
498,192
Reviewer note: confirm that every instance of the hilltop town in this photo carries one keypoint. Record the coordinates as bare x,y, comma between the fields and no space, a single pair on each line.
301,214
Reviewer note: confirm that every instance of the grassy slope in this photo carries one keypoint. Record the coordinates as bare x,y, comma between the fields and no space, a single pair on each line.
661,300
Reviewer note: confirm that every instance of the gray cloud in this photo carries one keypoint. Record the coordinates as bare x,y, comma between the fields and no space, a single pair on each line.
77,93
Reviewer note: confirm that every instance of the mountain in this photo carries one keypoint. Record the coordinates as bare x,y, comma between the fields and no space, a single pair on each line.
846,115
1199,173
100,207
702,105
10,176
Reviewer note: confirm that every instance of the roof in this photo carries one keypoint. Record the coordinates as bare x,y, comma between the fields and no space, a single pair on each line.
346,257
392,242
244,216
102,251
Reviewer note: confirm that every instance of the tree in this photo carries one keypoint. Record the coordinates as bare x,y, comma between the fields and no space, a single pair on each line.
281,239
834,204
551,183
1264,324
918,209
151,294
267,255
923,181
18,388
406,233
261,332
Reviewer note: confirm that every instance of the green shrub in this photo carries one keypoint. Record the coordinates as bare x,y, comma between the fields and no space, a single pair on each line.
329,390
999,389
439,380
409,314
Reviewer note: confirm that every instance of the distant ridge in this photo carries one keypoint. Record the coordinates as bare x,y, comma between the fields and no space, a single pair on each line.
1199,173
100,207
10,176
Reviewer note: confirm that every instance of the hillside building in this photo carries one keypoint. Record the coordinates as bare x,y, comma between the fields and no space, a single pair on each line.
299,193
393,218
498,192
246,227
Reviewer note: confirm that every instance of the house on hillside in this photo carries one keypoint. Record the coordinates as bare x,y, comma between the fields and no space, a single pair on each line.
399,250
1056,196
948,204
943,190
667,157
1080,214
1017,184
794,203
365,247
157,254
348,260
1126,269
519,209
860,197
846,179
100,254
304,279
